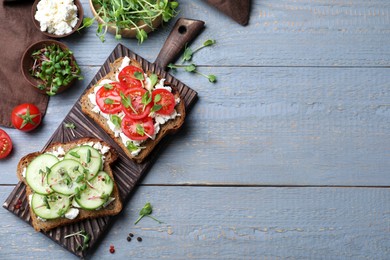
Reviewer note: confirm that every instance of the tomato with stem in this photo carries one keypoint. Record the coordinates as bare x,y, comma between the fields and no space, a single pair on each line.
26,117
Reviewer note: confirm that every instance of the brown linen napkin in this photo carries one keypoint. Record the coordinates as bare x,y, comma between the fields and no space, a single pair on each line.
17,32
238,10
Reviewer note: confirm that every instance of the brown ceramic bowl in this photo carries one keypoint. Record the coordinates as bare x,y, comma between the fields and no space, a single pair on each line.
27,63
80,15
130,32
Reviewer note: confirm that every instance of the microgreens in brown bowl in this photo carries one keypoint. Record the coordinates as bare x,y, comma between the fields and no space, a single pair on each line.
50,67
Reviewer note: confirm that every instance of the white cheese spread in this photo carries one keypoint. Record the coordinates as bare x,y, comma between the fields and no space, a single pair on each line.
72,213
58,17
24,172
59,152
159,119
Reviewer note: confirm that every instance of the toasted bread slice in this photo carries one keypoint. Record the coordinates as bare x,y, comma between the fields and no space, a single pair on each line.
169,127
112,209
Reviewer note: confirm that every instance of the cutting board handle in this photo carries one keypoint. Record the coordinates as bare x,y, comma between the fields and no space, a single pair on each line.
184,31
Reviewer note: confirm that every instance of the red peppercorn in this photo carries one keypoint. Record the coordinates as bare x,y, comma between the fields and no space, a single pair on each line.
112,250
17,206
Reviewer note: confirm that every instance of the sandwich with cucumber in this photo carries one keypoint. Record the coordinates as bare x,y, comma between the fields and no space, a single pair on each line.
136,108
70,182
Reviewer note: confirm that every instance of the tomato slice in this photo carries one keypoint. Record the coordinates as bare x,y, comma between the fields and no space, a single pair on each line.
5,144
108,98
165,99
138,129
133,104
127,78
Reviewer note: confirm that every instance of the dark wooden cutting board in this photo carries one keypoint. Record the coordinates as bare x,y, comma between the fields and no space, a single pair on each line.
127,173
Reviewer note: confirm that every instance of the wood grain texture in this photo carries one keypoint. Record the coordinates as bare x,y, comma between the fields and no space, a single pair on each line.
280,33
127,173
232,223
266,126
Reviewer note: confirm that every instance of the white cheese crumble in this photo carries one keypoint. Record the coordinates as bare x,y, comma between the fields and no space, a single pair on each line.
24,172
125,62
41,219
159,119
72,213
59,152
58,17
75,204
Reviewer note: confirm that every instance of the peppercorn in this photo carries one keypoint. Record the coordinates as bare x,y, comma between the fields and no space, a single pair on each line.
139,239
112,250
131,234
129,238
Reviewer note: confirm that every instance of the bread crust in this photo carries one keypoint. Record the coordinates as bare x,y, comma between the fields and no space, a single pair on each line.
169,127
112,209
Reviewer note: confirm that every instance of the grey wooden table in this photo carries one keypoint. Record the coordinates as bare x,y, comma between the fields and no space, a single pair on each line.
287,156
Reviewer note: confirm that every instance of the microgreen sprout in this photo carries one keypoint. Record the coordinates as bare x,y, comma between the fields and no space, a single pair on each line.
187,57
54,67
84,235
70,126
188,52
130,14
145,212
193,68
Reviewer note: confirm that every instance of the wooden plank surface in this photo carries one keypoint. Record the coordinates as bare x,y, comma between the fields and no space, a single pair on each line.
231,223
280,33
295,126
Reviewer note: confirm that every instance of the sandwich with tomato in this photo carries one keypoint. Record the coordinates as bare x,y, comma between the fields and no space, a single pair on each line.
135,107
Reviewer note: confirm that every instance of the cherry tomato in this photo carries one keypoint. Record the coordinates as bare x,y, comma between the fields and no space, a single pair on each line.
133,105
127,78
5,144
165,99
26,117
108,99
137,129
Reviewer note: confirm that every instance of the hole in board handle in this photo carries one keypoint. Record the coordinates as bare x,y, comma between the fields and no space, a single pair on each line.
182,29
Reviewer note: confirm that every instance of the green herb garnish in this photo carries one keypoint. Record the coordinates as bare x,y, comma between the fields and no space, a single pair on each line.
130,14
188,55
153,79
54,67
70,126
131,146
88,159
188,52
74,154
116,120
193,68
145,212
85,236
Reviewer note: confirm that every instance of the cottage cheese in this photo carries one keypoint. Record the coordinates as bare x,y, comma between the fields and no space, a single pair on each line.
58,17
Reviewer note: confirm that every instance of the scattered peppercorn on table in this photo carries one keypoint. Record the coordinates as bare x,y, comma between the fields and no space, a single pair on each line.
285,154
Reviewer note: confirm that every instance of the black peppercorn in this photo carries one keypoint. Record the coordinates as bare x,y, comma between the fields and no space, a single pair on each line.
139,239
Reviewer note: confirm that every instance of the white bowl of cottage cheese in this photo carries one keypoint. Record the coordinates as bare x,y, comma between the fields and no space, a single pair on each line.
57,18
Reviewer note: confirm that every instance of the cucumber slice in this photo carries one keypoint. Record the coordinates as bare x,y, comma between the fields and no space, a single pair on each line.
66,177
37,171
50,206
89,157
98,192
